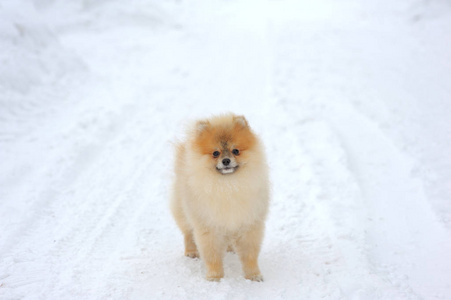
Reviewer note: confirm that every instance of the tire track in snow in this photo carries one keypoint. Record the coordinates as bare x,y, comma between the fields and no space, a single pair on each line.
404,234
334,209
322,209
98,206
112,222
48,218
373,161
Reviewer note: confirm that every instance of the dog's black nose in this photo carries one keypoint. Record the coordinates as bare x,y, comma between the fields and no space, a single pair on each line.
226,161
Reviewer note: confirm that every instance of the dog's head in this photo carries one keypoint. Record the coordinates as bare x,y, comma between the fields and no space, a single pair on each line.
226,140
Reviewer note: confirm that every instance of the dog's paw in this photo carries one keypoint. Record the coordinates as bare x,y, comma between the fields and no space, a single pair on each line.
215,275
255,277
192,254
214,279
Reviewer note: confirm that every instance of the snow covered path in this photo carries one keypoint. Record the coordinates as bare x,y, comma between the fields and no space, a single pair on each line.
352,101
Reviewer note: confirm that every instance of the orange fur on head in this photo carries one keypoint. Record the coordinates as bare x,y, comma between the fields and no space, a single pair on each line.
230,131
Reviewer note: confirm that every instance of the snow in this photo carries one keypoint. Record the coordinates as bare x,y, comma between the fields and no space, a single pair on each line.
351,99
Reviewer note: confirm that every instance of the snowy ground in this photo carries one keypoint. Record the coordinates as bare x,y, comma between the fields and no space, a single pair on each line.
351,98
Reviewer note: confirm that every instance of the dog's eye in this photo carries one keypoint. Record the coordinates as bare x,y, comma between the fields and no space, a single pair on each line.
236,152
216,154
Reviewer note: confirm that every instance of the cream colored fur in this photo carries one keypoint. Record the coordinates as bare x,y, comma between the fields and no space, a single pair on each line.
216,211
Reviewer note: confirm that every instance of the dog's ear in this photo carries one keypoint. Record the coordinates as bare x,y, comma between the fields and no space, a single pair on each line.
201,126
241,121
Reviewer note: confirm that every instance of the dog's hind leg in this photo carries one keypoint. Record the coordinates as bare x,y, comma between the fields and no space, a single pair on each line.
190,245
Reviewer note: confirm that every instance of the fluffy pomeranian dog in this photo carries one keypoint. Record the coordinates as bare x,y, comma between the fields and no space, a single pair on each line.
221,193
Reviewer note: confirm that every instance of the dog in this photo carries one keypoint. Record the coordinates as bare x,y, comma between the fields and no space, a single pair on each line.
221,193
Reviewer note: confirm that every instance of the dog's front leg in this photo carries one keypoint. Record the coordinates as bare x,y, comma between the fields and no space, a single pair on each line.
211,247
248,248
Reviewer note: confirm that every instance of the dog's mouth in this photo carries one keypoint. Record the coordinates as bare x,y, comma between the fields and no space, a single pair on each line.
227,170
